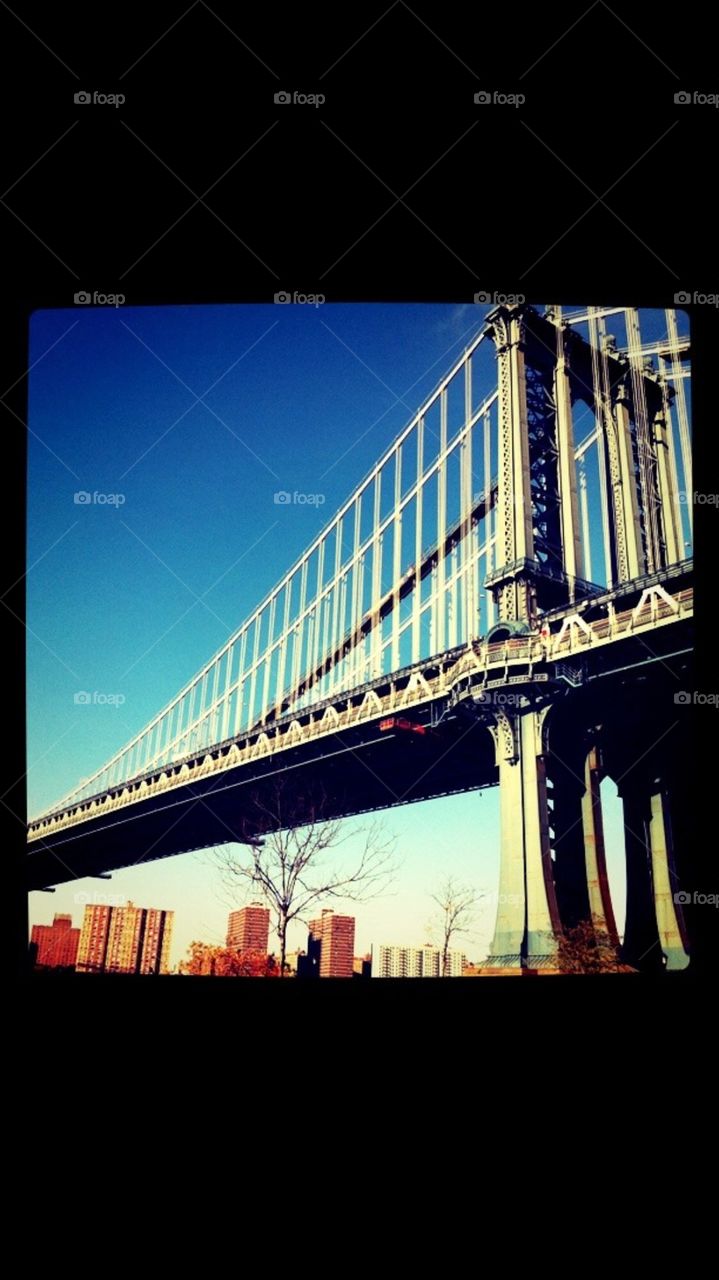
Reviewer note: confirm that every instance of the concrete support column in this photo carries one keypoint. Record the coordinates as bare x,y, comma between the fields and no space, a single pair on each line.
542,913
670,924
655,936
507,943
600,899
527,917
651,758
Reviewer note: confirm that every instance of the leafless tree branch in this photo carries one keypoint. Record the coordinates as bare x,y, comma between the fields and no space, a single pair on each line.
283,858
457,903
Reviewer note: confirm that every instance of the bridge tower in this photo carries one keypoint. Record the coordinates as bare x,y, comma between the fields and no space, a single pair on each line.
552,859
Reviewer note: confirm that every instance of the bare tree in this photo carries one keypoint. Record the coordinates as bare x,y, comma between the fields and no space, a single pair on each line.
457,903
287,836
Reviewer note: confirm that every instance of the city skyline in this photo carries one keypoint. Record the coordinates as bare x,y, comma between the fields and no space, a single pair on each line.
57,949
194,875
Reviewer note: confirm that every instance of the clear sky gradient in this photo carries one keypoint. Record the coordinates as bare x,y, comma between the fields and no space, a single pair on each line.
131,597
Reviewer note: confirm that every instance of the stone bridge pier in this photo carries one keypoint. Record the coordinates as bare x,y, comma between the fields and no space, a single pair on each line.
553,871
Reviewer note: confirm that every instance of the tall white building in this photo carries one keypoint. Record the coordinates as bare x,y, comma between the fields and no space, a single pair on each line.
414,962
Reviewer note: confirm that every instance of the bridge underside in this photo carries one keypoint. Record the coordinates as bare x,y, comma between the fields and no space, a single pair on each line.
360,770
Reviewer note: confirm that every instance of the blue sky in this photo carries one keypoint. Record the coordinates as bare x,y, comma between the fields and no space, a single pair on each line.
308,398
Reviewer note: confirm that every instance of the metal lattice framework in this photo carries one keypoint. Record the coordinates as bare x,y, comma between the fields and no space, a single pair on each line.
483,510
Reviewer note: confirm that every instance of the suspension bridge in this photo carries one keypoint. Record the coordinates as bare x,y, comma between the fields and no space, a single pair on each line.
506,599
